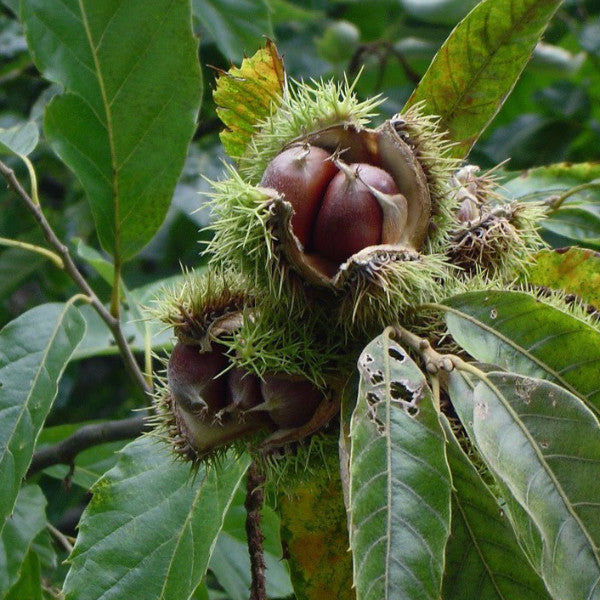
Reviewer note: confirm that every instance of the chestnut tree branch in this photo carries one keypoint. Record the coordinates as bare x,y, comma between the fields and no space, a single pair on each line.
253,504
112,322
65,451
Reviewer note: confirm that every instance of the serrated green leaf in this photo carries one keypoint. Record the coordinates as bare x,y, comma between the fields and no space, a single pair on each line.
544,445
577,220
29,585
27,520
246,95
34,350
146,533
20,139
399,480
230,562
128,113
483,558
461,387
573,270
478,65
520,333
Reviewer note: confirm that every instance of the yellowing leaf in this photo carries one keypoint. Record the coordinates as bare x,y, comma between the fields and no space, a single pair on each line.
313,522
246,95
574,270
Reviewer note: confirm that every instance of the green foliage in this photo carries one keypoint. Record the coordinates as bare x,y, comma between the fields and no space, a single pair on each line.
230,561
121,125
399,502
27,520
573,192
523,428
36,348
488,490
145,531
523,334
20,139
478,65
483,557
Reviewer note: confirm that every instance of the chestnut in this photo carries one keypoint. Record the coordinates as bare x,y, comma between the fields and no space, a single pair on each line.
243,390
289,401
351,217
194,378
301,173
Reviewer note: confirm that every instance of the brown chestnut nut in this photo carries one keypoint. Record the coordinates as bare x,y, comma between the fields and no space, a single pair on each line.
243,390
351,217
194,380
290,401
301,173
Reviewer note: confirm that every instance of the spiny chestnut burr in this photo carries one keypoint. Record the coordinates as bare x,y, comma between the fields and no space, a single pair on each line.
209,404
243,390
213,403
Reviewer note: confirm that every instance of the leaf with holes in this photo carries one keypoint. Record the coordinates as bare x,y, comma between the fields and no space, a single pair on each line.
34,350
246,95
129,109
478,65
543,444
521,333
146,534
399,502
483,558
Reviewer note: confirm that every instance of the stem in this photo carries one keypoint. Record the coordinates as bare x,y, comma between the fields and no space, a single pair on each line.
435,390
32,179
434,360
555,202
253,504
61,537
115,298
65,451
71,269
57,260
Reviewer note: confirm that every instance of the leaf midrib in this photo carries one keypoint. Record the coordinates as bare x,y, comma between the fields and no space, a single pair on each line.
545,467
520,349
39,370
109,130
449,114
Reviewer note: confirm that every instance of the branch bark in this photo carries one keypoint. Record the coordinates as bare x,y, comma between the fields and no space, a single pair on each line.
89,435
71,269
253,504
